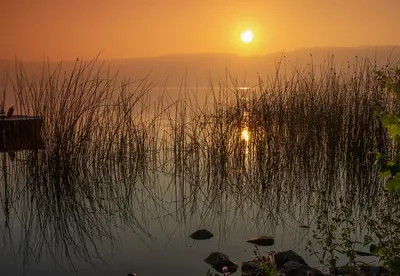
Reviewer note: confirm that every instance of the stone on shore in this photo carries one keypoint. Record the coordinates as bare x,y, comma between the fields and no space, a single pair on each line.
253,268
218,260
278,259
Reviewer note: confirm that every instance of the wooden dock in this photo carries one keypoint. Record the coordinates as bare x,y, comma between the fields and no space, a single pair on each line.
20,132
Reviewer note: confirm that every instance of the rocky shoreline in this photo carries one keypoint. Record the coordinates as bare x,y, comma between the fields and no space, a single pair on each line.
285,262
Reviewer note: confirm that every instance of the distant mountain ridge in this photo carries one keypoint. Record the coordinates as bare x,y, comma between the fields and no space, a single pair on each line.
199,69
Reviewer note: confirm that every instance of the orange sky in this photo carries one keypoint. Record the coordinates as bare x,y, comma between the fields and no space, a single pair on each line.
66,29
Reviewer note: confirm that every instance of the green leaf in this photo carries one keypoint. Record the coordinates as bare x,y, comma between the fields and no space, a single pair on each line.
388,119
394,130
379,73
384,171
380,158
367,240
377,114
373,249
393,184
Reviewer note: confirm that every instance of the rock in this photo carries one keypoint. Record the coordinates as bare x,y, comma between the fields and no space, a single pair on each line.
253,268
278,259
218,260
262,241
202,234
296,269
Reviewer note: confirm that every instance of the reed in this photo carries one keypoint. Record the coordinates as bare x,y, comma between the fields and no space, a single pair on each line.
79,188
114,151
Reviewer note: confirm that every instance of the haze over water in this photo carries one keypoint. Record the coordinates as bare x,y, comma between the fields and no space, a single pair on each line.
150,136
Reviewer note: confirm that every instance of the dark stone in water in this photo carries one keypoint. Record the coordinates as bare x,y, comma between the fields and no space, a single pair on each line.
296,269
202,234
218,260
280,258
262,241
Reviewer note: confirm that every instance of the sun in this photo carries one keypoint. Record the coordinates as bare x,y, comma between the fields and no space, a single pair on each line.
247,36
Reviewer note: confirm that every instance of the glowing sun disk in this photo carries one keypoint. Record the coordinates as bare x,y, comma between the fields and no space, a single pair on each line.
247,36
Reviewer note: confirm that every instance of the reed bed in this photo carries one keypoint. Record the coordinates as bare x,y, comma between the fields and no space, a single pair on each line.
115,152
310,131
82,186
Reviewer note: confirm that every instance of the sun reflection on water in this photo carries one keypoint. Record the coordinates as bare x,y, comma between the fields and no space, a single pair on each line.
245,134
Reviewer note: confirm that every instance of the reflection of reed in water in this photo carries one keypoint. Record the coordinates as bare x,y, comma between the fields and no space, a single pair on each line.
85,185
108,147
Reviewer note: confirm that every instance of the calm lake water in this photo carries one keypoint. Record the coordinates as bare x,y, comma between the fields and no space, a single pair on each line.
168,210
142,225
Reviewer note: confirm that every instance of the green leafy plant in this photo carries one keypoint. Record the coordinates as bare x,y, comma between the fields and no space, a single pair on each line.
389,165
384,240
335,235
384,237
267,267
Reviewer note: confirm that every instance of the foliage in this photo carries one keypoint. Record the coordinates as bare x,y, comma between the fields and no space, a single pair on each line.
267,268
335,235
385,241
389,165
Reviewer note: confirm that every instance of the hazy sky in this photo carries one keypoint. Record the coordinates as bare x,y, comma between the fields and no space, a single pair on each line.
66,29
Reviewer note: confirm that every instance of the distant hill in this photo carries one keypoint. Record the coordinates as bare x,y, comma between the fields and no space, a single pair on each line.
198,69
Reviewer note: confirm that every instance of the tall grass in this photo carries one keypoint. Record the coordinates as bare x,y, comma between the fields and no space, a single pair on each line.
82,186
312,127
108,144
